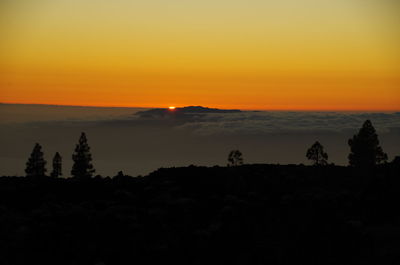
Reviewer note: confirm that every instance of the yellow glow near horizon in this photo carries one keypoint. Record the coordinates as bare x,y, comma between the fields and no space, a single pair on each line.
287,54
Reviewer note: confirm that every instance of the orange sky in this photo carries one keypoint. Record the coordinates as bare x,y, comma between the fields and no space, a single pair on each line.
288,54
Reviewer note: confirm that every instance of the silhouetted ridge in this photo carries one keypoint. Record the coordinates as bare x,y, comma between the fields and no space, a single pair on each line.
182,111
249,214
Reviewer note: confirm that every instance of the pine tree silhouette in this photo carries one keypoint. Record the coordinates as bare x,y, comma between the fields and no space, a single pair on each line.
57,166
365,149
35,167
317,154
235,158
82,167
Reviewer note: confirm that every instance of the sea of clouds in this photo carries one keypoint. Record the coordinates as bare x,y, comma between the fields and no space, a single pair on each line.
290,122
123,140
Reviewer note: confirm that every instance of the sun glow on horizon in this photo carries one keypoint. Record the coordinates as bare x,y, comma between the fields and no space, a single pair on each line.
171,108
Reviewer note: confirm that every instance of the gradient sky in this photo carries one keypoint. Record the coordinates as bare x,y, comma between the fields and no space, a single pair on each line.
250,54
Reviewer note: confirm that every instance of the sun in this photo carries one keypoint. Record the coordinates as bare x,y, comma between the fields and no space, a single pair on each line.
171,108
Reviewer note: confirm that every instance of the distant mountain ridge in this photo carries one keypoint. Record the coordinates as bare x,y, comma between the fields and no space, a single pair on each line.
183,111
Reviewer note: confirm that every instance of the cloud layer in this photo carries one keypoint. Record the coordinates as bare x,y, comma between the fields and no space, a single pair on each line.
121,140
289,122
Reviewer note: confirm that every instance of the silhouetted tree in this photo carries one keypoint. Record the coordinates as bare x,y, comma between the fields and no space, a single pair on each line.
120,174
57,160
235,158
36,165
317,154
365,149
82,158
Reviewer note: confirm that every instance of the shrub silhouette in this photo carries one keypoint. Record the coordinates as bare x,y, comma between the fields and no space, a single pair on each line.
82,167
35,167
57,166
235,158
365,149
396,164
317,154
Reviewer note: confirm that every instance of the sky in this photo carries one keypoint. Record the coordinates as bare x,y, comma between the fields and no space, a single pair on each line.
247,54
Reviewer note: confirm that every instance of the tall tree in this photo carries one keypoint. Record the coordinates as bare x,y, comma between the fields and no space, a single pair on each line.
365,149
82,167
317,154
235,158
36,165
57,165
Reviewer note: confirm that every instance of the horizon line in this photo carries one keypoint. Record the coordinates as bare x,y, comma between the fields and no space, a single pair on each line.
166,107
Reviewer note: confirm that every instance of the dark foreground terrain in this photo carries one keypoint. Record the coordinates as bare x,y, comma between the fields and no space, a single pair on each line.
253,214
